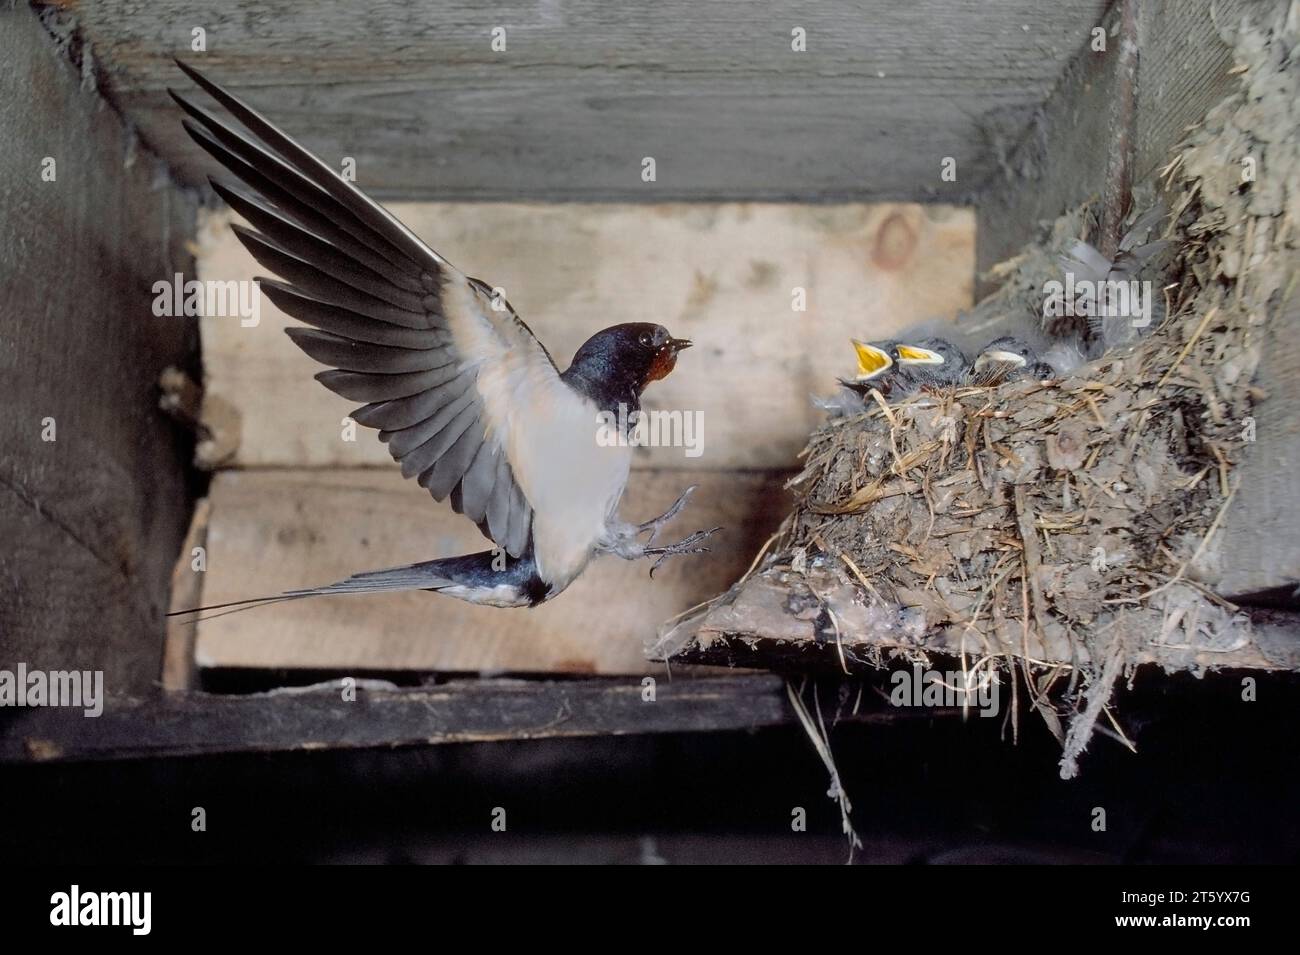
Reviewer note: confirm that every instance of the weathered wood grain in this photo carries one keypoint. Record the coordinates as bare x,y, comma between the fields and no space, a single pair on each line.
316,718
90,522
275,530
1260,548
179,670
1060,161
720,274
414,92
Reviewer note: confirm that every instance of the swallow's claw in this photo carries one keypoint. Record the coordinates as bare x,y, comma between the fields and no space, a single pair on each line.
688,545
656,524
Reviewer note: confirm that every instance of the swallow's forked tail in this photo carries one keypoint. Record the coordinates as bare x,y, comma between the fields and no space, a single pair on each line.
490,578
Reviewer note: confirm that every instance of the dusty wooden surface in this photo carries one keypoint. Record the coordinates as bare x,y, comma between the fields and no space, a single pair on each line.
722,275
414,91
178,668
275,530
379,714
1061,160
91,521
1260,549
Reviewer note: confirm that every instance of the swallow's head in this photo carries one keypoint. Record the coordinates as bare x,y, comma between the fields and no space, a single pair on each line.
634,354
934,359
874,360
1009,353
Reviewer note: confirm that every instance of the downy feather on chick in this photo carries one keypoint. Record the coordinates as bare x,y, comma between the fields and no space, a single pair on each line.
1117,305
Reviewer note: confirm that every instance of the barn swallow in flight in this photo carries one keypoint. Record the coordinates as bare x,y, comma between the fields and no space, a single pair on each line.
467,400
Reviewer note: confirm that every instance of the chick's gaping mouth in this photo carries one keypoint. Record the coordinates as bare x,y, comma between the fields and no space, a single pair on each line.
872,361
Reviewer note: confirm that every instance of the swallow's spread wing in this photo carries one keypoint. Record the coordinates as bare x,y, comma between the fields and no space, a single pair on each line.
440,363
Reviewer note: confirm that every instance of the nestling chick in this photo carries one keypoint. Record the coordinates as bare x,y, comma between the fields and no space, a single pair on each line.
877,367
1007,359
932,363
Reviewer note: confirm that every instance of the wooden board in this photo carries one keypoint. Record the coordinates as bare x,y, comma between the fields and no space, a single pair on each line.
382,715
720,274
275,530
92,520
1061,160
414,92
1260,549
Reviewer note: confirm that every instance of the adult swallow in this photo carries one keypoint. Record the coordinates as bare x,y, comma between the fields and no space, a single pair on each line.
466,399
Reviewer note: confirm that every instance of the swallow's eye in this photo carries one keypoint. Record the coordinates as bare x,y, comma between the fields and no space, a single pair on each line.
647,340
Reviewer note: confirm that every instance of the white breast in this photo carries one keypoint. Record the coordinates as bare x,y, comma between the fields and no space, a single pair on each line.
573,473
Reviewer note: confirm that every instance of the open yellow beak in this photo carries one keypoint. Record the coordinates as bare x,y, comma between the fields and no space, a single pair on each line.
912,355
871,360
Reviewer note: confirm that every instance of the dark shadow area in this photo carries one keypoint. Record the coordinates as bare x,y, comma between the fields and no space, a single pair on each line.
1215,781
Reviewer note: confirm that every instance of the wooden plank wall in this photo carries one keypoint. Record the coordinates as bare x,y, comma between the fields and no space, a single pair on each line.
302,506
1260,549
584,90
1060,161
91,521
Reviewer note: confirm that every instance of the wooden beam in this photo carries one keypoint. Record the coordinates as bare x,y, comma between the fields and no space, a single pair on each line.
417,95
1117,189
1260,549
179,668
381,715
93,496
1062,160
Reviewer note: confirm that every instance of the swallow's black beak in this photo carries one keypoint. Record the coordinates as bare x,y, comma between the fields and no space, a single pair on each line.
665,359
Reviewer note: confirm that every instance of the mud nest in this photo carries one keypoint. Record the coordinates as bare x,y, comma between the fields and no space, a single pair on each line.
1063,532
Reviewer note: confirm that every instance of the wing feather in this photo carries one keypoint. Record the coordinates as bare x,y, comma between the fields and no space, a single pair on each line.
358,386
348,354
435,357
421,460
450,469
405,440
480,479
345,322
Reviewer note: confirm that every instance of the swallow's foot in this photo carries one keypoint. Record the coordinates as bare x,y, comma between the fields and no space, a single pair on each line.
656,525
623,540
688,545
